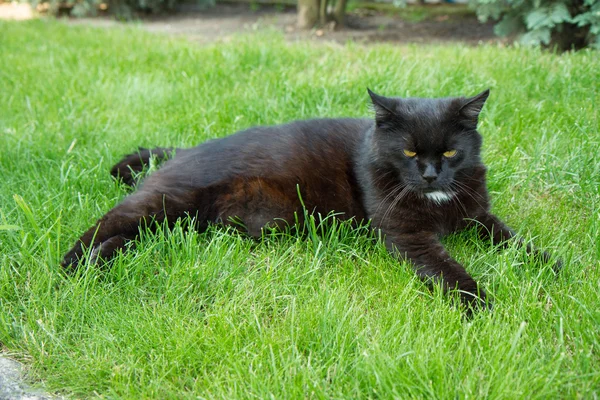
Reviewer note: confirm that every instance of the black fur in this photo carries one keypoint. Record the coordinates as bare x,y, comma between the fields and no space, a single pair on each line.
415,172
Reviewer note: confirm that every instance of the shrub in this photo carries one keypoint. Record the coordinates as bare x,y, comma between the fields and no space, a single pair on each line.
121,8
565,24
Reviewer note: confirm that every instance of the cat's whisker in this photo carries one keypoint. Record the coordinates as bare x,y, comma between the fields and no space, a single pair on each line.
390,204
456,199
466,190
462,188
380,177
392,193
395,202
395,190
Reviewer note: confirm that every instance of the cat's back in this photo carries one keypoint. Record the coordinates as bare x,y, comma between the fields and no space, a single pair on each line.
295,150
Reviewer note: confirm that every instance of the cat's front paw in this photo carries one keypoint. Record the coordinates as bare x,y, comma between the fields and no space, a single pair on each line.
558,265
546,258
475,301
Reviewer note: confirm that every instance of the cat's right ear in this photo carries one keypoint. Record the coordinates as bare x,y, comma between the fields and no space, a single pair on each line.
469,112
384,108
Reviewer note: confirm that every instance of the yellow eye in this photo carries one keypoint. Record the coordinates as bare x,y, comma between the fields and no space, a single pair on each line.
409,153
450,153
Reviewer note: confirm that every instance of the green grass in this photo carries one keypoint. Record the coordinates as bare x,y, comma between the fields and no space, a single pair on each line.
416,12
218,316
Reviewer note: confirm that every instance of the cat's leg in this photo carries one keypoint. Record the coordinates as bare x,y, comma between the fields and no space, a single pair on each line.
117,227
432,262
108,248
492,228
133,164
252,205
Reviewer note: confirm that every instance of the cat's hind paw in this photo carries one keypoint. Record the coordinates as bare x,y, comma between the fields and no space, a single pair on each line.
71,260
102,251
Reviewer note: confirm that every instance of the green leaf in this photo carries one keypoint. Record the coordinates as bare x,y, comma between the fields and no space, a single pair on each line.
536,37
509,24
536,19
560,13
548,17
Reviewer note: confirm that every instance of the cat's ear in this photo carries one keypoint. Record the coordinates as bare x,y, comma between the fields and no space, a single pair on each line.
384,108
469,112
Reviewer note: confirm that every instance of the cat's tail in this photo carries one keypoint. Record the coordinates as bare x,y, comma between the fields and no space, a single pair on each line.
133,164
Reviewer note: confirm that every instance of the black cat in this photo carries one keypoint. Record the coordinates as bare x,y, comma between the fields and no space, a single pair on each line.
415,172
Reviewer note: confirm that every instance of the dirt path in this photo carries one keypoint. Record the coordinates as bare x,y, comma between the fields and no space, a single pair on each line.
364,26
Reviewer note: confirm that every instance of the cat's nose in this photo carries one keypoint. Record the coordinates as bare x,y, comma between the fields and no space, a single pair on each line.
430,174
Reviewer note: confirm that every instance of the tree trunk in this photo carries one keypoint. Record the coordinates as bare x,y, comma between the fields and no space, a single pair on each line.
308,13
323,12
339,13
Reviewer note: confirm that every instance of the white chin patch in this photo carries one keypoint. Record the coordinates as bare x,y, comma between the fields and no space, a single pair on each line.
438,196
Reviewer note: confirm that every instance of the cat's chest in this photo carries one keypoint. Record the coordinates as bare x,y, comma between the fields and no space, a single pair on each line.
452,214
442,216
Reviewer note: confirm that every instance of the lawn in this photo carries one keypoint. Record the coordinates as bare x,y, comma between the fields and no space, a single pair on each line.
219,316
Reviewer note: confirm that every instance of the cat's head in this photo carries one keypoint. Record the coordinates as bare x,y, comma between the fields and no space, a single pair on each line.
428,141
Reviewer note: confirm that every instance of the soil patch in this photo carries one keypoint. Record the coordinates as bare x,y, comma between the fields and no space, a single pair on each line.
225,20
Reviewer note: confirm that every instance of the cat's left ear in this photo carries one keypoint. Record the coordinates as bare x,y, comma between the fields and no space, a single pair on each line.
384,108
469,112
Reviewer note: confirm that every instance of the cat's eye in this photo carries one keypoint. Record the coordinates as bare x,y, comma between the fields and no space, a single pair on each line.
409,153
450,153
